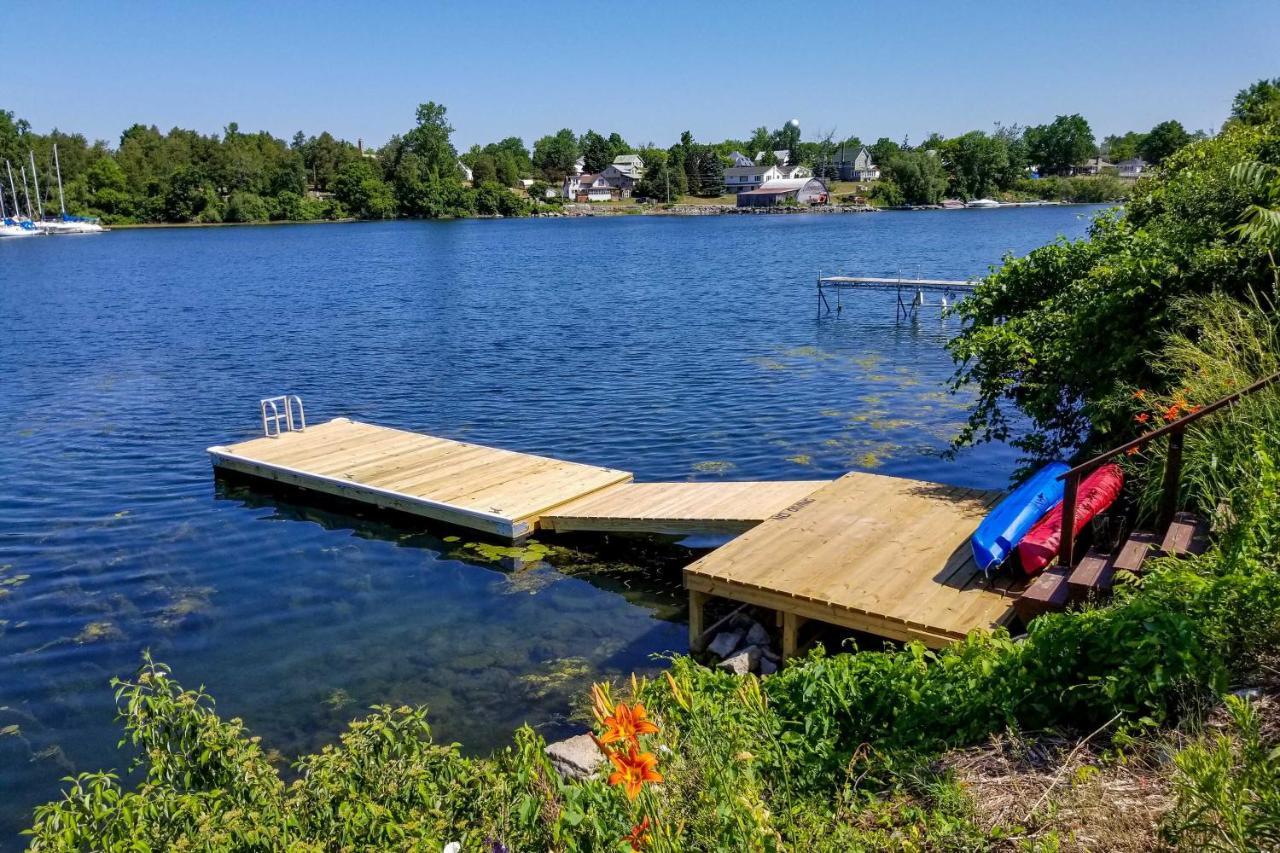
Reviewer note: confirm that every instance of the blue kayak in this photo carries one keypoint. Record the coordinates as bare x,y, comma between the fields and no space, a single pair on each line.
1003,528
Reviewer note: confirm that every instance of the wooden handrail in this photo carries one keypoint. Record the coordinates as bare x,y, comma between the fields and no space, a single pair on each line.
1172,470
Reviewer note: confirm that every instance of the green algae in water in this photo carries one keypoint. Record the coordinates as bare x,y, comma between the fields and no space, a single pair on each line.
831,413
768,364
869,460
868,362
532,581
810,352
713,466
531,552
96,632
801,459
558,677
888,424
338,699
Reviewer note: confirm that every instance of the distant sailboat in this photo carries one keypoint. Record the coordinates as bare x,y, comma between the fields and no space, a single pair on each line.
13,227
66,224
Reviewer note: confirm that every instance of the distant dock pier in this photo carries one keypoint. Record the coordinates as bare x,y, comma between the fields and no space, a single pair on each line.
915,288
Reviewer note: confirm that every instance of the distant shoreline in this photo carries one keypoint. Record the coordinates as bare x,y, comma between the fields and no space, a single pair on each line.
589,213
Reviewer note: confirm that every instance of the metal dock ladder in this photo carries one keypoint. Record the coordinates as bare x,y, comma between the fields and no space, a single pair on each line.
275,421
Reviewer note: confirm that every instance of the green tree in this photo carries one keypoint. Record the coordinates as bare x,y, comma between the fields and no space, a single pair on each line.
1064,335
362,191
1118,148
882,150
660,181
429,140
247,207
484,169
1257,103
596,151
1164,139
555,155
919,175
1060,145
977,163
761,141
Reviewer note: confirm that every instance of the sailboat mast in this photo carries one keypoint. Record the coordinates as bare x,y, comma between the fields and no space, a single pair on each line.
27,192
57,167
3,215
13,188
36,182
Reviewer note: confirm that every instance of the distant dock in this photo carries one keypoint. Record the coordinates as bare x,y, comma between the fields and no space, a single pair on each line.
880,554
915,288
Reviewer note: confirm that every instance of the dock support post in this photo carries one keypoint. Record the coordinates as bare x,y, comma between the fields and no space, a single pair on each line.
697,601
790,634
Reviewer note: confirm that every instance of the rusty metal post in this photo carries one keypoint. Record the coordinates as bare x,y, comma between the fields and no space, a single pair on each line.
1067,540
1172,477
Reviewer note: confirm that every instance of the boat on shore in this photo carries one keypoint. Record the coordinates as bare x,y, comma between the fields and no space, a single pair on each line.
983,203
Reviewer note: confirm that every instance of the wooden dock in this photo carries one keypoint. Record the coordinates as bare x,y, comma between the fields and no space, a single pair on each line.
878,554
482,488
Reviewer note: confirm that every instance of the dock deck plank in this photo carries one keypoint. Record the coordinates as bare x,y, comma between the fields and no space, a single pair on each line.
497,491
873,553
679,508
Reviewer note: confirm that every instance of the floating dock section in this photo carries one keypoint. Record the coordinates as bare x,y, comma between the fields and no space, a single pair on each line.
878,554
883,555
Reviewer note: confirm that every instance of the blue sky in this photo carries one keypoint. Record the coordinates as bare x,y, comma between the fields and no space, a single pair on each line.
645,69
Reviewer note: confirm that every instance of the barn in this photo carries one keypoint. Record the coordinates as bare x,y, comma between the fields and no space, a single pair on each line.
785,190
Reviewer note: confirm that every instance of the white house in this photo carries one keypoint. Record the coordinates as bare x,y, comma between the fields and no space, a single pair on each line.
467,174
580,165
588,187
630,165
1092,166
783,156
623,176
737,158
1132,168
789,172
857,165
740,179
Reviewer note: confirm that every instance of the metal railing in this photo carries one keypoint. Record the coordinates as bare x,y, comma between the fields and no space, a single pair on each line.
1172,467
276,418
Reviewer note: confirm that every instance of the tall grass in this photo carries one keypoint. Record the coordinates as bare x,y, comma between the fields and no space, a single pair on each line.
1229,344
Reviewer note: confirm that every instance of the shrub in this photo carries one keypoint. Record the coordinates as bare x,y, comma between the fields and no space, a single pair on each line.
1064,334
1228,789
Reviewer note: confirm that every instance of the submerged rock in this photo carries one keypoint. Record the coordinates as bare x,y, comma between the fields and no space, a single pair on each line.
724,643
577,758
743,662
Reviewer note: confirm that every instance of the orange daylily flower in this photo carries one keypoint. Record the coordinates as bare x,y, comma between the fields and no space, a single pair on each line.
1142,417
1139,395
639,835
627,723
634,770
1132,451
1171,413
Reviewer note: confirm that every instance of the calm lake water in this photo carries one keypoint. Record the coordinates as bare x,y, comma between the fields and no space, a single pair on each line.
674,348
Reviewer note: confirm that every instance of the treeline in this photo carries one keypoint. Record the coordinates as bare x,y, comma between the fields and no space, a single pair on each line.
186,176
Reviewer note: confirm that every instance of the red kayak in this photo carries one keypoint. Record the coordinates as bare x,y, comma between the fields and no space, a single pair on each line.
1097,492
